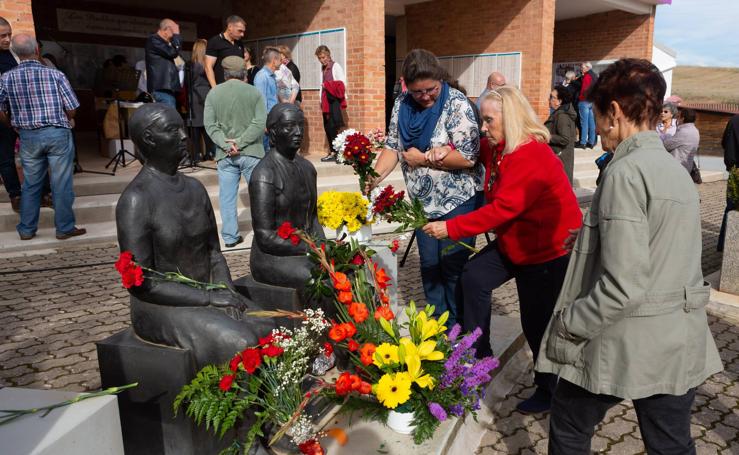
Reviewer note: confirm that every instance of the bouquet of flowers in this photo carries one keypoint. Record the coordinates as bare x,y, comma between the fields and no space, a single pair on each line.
392,206
408,366
266,379
132,274
357,150
337,208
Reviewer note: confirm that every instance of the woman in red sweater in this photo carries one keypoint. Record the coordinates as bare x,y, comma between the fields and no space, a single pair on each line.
532,208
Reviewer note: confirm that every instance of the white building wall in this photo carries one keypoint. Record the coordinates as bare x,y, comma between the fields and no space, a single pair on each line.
665,62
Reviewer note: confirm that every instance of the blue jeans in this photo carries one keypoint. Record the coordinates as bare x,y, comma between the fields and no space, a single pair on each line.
165,97
587,123
45,149
230,171
440,272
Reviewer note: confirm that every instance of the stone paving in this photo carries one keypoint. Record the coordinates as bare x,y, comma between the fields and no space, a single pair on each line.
50,319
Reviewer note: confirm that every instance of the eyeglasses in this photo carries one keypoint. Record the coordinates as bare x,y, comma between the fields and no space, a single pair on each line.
666,112
428,91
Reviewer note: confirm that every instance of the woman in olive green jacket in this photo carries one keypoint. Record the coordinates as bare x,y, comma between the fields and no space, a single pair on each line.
630,321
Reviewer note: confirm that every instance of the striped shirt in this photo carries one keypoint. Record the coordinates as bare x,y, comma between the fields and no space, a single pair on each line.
36,96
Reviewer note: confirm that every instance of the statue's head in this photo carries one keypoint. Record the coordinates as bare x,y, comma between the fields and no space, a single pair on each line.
159,133
285,127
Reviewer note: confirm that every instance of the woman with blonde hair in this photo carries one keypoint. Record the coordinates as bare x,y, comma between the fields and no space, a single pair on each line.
199,90
531,208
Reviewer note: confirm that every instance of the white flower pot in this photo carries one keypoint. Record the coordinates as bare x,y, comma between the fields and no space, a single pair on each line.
400,422
363,235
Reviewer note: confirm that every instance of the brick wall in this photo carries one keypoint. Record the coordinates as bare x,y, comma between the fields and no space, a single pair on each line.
18,13
603,36
471,27
364,21
711,125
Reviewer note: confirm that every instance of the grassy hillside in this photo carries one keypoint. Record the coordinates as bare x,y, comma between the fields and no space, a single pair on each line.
696,84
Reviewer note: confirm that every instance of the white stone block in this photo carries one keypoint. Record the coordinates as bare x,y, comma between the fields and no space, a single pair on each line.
730,263
91,426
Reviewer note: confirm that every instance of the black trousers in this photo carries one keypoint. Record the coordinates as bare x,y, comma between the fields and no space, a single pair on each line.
664,421
7,161
331,127
538,287
210,147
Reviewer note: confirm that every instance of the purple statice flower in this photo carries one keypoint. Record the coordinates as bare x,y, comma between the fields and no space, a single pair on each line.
462,348
437,411
451,375
485,365
457,410
454,332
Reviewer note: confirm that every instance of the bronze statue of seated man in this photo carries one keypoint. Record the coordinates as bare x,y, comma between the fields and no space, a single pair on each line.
283,188
166,220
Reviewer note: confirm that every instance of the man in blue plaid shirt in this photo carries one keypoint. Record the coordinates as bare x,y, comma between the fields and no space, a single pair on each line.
42,106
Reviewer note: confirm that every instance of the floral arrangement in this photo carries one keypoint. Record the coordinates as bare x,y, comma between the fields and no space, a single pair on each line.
358,151
410,366
265,379
732,186
338,208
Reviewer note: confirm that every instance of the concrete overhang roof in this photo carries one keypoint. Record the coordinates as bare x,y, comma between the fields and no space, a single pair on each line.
570,9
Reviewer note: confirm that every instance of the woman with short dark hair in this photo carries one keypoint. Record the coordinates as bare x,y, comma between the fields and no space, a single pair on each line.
630,322
434,136
562,128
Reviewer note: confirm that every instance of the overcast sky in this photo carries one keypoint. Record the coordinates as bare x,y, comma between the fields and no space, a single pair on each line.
702,32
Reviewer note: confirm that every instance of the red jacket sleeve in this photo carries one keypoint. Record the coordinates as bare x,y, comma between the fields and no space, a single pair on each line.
517,188
587,79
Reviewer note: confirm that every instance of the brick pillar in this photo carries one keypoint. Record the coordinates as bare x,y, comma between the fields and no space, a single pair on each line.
18,13
367,61
536,70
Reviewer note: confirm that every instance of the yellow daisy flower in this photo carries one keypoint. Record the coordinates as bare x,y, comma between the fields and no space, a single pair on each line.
393,389
386,354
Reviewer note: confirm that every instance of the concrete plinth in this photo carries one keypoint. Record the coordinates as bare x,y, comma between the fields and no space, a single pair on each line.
89,426
730,264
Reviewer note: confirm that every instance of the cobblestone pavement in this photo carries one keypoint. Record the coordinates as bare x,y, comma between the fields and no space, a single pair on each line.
51,318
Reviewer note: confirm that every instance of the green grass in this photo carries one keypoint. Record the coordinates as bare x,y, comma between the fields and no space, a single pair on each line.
696,84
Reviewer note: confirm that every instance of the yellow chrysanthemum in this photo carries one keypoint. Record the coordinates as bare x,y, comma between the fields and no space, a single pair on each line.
337,208
393,389
386,354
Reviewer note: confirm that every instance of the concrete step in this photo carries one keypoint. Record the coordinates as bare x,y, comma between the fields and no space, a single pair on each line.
101,207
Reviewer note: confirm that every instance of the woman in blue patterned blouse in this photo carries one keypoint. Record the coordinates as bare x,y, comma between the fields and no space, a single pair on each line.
434,136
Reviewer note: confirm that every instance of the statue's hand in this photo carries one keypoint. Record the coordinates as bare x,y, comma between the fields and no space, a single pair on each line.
222,298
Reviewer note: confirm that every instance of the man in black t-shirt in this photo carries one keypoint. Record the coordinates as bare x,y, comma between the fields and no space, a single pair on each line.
224,45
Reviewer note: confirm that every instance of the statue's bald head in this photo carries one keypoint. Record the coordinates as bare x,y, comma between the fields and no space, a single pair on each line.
151,117
25,46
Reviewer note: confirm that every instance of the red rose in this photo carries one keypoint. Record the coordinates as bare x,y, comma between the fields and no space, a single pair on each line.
272,351
251,359
286,230
343,384
352,345
233,365
226,382
357,259
328,349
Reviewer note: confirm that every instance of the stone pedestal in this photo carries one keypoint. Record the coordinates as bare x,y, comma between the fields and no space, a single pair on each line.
730,264
147,419
89,426
268,297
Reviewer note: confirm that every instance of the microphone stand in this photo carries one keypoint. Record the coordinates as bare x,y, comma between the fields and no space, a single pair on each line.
120,157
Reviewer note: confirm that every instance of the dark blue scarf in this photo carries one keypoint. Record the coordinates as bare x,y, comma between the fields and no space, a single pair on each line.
415,124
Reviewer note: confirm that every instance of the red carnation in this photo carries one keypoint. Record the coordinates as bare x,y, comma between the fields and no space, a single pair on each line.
272,351
233,365
311,447
328,349
251,359
395,245
269,339
286,230
226,382
131,273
